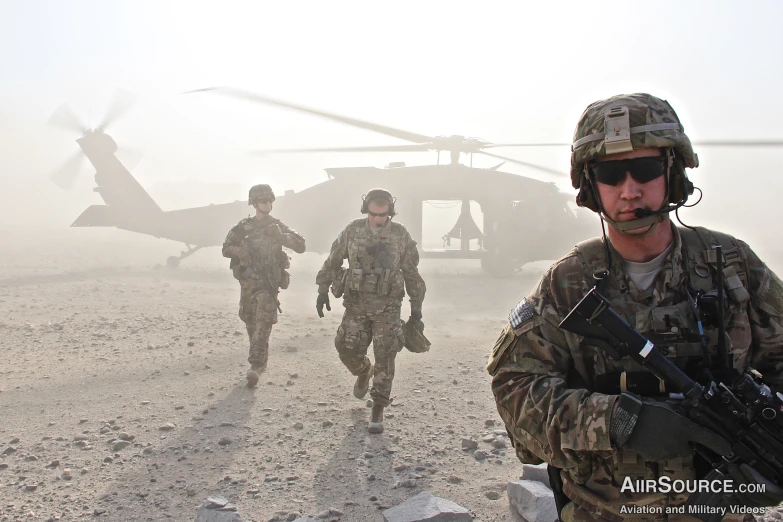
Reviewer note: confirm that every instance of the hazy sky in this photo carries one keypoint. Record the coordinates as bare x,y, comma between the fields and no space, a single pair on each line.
502,71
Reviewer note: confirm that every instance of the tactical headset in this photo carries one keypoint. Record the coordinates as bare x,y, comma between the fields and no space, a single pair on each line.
381,194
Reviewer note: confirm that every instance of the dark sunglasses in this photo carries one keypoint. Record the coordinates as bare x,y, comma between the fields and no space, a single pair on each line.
376,214
263,201
643,170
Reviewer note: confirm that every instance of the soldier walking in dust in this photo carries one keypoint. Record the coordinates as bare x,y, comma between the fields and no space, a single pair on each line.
382,263
255,246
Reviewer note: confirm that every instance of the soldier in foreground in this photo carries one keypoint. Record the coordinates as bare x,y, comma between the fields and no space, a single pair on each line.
598,421
255,246
382,264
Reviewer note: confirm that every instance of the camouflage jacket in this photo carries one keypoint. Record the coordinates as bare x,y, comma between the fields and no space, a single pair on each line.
266,251
380,267
555,393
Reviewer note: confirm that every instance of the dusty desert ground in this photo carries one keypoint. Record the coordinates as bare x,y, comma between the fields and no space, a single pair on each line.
102,349
100,346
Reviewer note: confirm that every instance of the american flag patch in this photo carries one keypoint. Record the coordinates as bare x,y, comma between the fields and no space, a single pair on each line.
522,313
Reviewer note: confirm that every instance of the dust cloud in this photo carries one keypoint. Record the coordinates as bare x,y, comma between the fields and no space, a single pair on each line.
104,343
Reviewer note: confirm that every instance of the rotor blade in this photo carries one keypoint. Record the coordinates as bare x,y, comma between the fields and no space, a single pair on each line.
122,102
65,118
389,131
493,145
129,157
496,167
734,143
560,175
66,175
382,148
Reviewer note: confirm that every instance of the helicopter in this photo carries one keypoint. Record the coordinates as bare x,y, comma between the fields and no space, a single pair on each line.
525,218
127,205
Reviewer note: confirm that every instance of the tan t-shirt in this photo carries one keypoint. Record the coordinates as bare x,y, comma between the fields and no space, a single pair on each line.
643,274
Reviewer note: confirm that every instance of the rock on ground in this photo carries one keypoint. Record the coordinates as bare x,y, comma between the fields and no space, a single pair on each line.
536,473
532,500
425,507
217,509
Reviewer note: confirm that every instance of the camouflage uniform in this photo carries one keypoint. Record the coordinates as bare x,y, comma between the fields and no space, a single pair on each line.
380,268
258,298
556,393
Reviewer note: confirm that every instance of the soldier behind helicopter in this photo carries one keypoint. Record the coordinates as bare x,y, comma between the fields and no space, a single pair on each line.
255,246
382,263
598,421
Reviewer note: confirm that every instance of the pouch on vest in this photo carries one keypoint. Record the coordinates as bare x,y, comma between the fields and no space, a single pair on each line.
370,283
285,279
355,279
338,283
285,259
703,262
283,263
385,282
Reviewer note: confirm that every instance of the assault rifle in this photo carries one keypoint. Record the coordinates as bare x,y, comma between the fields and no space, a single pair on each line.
261,275
737,406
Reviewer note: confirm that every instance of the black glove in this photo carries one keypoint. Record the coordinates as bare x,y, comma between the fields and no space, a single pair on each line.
416,314
323,299
744,474
656,432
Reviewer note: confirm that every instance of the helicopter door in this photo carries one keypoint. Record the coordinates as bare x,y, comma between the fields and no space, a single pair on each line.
450,229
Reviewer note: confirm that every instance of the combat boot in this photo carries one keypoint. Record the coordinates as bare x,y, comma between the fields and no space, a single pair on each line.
362,383
376,420
254,375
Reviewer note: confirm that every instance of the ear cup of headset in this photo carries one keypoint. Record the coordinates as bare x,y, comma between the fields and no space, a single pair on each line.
378,193
586,196
680,187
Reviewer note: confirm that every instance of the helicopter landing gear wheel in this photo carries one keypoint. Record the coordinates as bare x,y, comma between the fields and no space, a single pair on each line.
173,261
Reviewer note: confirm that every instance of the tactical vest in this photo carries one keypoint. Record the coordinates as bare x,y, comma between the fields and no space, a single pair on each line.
373,265
671,325
269,261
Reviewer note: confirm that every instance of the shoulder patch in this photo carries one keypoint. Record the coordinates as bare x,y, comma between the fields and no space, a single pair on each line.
505,340
522,313
340,237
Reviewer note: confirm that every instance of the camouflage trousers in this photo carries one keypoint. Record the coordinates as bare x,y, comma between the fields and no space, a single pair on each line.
258,310
354,335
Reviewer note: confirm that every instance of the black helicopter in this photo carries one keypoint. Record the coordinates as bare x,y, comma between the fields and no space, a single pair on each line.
524,218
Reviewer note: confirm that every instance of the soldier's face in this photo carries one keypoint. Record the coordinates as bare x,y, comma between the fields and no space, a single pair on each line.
264,206
621,200
377,221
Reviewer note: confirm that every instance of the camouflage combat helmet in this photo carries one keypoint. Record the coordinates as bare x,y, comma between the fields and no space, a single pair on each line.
413,332
629,122
258,192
